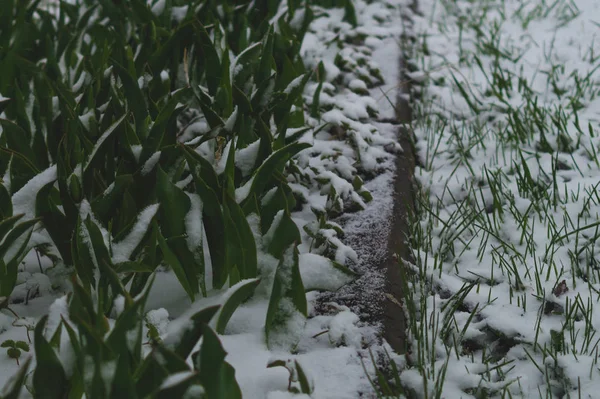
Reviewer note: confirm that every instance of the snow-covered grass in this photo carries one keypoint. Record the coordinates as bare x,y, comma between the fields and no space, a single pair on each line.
503,295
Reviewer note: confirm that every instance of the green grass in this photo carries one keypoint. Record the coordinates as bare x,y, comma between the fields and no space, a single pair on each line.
507,210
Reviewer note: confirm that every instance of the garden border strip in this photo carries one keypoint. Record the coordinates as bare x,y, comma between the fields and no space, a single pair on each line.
398,249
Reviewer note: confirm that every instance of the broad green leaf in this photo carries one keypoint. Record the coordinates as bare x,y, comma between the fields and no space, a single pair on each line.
275,162
135,99
158,130
276,202
209,54
217,376
120,338
156,367
133,267
22,345
19,236
224,96
236,295
264,70
282,234
6,208
246,246
201,168
287,305
172,260
100,142
185,343
58,226
18,140
104,205
244,66
242,102
213,119
83,255
350,13
7,224
122,385
77,386
213,219
179,388
174,205
49,378
12,389
97,242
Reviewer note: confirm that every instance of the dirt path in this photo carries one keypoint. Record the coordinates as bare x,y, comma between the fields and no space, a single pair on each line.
379,233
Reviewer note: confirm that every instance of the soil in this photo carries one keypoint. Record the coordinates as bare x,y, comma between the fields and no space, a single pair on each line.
379,236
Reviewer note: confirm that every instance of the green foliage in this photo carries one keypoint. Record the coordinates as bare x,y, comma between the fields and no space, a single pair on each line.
117,368
14,245
98,95
13,349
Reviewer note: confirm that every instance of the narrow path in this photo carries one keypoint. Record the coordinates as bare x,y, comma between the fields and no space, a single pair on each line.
379,236
394,323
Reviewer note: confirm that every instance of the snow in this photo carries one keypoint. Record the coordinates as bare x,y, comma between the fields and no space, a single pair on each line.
176,378
193,225
150,163
101,140
122,250
159,318
543,55
137,151
24,200
179,13
357,85
245,158
293,84
164,76
159,7
318,273
241,193
230,122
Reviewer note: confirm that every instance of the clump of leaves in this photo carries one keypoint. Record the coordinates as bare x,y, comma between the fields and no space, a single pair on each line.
93,117
108,361
14,348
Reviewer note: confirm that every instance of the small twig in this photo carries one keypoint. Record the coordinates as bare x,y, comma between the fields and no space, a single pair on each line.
39,261
13,312
321,333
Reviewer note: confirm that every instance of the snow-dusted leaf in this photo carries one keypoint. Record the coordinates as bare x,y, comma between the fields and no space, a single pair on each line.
183,342
49,376
101,141
286,315
322,274
272,164
122,250
233,299
217,376
12,389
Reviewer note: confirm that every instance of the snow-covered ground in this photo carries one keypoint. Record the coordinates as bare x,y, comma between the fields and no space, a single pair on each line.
334,343
506,286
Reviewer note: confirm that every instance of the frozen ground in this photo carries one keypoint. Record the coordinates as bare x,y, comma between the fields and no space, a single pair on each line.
506,285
